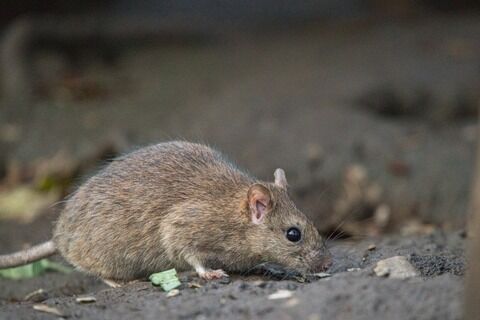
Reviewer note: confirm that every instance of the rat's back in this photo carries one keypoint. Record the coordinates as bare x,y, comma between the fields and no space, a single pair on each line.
110,225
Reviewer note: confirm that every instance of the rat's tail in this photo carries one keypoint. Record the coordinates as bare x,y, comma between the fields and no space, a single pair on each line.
32,254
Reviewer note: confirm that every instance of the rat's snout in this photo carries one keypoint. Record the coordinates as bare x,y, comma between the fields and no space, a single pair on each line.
322,262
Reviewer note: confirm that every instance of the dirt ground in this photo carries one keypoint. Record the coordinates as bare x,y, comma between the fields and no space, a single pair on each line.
372,122
350,293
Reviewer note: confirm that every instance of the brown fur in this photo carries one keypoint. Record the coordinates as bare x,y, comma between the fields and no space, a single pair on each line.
178,204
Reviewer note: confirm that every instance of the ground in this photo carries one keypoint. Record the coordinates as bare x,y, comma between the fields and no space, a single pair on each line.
352,292
373,122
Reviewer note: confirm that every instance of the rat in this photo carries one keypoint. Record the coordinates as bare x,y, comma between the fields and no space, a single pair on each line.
180,205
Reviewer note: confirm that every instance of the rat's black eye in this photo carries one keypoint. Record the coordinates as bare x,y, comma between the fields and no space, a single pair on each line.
293,234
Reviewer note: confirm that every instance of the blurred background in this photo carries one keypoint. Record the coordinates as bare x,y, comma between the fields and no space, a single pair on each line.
369,106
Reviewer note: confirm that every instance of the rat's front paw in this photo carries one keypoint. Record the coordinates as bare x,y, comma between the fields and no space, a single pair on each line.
212,274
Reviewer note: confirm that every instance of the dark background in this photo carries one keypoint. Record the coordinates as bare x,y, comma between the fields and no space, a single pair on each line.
381,92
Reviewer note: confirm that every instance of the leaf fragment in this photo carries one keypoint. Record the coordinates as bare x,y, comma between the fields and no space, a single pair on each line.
33,269
48,309
167,280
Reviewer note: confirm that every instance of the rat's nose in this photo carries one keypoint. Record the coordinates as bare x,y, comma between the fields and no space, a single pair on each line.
324,264
327,263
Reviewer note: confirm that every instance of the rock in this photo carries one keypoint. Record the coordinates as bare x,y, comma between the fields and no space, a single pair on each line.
397,267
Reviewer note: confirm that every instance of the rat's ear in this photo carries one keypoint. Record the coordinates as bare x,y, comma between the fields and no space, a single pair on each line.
259,202
280,179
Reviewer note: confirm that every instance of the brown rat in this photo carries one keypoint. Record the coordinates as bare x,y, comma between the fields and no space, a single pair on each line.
180,205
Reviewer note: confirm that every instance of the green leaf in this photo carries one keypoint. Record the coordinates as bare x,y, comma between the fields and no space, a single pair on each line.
54,266
33,270
167,280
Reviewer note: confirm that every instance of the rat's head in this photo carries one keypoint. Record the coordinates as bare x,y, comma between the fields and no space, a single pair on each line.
281,234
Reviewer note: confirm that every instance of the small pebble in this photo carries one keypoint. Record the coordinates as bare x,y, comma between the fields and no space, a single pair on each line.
86,299
321,275
353,269
397,267
372,247
280,294
173,293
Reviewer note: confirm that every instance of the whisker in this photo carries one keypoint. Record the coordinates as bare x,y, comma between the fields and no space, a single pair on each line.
347,216
339,235
336,229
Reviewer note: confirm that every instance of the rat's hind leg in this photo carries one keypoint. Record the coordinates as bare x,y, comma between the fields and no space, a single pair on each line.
204,273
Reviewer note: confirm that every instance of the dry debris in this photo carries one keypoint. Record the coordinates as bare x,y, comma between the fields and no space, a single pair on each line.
48,309
194,285
36,296
86,299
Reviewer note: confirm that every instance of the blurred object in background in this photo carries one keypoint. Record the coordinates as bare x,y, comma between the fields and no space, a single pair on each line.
368,105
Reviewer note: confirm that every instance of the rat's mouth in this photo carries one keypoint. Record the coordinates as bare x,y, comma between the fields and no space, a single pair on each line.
276,271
